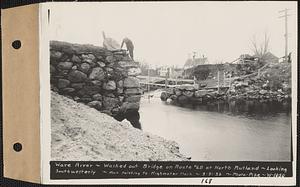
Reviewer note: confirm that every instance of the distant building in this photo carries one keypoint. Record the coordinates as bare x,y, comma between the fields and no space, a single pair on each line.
270,57
163,71
170,72
193,62
246,58
176,73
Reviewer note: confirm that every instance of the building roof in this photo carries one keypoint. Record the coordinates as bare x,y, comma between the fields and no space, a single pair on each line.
194,62
270,55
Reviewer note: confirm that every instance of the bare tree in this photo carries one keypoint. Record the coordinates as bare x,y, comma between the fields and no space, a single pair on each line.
260,49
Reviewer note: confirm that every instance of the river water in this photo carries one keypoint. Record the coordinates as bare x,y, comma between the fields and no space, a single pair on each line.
223,132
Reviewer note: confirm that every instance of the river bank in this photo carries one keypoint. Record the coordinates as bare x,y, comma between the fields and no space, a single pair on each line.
79,132
271,84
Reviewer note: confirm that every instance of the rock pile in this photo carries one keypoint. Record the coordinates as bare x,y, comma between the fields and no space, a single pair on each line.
271,84
185,94
258,90
102,79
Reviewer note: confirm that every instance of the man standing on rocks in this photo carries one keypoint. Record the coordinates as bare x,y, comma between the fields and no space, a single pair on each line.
129,46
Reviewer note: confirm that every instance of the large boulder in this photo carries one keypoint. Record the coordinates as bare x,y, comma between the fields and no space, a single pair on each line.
127,64
97,97
85,99
77,76
110,59
188,93
130,106
201,93
110,102
101,64
164,96
173,97
110,85
55,55
97,73
91,89
263,92
84,67
120,84
177,92
96,82
131,82
132,91
75,59
188,87
63,83
68,90
65,65
77,86
89,58
134,71
170,91
95,104
120,90
241,84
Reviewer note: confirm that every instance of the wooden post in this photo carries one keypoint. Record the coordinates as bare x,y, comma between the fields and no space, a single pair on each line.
224,81
148,85
166,80
218,81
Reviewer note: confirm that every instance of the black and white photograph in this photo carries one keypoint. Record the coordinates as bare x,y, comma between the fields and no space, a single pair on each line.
172,81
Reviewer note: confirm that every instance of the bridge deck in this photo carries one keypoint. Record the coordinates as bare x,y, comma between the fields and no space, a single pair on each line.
158,79
210,84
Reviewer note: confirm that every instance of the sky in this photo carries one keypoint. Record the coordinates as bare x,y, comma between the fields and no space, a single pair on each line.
165,33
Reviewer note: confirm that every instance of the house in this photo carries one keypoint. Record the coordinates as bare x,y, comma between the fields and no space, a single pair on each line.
176,73
246,58
193,62
164,71
270,57
170,72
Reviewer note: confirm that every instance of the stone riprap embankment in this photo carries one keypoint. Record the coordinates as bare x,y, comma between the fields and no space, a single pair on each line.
100,78
272,84
185,94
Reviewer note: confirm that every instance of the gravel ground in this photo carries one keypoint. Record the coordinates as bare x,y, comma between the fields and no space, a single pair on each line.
82,133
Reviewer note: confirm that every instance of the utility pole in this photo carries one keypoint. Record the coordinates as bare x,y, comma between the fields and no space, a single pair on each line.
285,16
148,85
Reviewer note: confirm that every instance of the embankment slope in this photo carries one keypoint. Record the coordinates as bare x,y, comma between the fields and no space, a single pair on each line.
82,133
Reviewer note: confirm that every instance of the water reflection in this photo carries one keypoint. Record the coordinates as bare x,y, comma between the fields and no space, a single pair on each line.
246,108
235,130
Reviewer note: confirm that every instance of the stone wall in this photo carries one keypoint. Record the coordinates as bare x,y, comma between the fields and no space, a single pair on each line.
102,79
185,94
239,90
